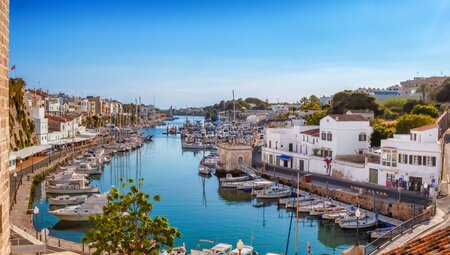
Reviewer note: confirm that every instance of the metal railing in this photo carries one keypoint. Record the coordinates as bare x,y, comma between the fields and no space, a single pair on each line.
399,230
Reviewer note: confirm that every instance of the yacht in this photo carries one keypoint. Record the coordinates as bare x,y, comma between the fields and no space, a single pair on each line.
273,192
67,200
92,206
76,187
86,168
65,177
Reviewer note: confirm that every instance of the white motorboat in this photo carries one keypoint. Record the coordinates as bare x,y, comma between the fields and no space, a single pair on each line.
210,160
180,250
327,208
202,169
86,168
67,200
246,250
334,215
65,177
76,187
307,207
92,206
273,192
361,222
230,178
255,184
193,146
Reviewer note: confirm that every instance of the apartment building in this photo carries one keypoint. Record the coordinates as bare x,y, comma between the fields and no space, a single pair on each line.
40,124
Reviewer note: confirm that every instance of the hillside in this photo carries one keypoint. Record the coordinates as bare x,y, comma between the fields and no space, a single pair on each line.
22,131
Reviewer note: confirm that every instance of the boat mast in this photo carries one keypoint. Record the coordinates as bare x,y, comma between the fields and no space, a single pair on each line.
296,210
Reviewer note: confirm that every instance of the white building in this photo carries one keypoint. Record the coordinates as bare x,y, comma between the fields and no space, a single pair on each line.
344,135
41,124
412,160
54,105
147,111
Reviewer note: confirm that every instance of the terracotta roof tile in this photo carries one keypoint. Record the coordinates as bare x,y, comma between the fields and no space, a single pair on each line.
312,132
423,128
344,117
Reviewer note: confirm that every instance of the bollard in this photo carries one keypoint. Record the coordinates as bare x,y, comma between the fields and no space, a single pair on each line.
82,247
59,242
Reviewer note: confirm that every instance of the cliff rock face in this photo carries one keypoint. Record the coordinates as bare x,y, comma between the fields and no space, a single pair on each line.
22,130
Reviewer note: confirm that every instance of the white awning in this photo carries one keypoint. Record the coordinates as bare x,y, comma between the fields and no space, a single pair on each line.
24,153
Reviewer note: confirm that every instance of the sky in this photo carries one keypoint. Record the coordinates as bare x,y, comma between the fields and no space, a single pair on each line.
194,53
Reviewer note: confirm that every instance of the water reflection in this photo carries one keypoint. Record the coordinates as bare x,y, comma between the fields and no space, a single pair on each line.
233,196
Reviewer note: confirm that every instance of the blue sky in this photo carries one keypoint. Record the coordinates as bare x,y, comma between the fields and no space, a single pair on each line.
195,52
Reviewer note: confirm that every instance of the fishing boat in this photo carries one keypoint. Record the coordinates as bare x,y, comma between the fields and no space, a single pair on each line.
92,206
302,201
361,222
308,207
329,208
255,184
193,146
273,192
67,200
334,215
230,178
76,187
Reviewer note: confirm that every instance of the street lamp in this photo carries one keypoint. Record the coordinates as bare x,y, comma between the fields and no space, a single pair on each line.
35,212
357,214
240,245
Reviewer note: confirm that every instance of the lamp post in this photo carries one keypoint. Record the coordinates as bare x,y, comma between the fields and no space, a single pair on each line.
240,245
357,215
35,213
15,186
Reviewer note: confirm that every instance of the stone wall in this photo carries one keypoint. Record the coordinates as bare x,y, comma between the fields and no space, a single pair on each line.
4,128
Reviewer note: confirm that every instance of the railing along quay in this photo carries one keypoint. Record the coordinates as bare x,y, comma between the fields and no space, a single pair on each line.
392,234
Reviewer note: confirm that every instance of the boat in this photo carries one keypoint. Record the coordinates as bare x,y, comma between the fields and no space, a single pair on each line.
65,177
193,146
204,170
76,187
255,184
303,201
210,161
307,207
86,168
246,250
363,222
180,250
230,178
334,215
273,192
67,200
92,206
329,208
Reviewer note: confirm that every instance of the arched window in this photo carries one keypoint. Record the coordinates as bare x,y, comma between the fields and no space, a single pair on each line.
240,160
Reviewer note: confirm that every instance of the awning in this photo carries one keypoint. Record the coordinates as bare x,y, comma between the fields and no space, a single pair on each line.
24,153
284,157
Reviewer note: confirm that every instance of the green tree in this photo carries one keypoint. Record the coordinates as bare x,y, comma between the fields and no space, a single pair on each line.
311,103
380,131
410,121
429,110
126,227
443,92
348,100
408,106
314,118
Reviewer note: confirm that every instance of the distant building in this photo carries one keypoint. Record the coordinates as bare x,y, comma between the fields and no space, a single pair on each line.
413,86
95,106
325,100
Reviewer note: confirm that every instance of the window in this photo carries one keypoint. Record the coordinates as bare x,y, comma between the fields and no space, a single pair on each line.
301,164
324,136
270,144
329,136
362,137
402,158
291,147
416,160
430,161
389,157
276,145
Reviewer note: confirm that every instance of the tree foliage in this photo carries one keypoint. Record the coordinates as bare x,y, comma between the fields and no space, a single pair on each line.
429,110
409,121
348,100
443,92
311,103
314,118
408,106
395,104
126,227
380,131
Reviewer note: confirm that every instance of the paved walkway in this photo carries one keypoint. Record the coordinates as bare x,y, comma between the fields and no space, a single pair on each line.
436,222
23,220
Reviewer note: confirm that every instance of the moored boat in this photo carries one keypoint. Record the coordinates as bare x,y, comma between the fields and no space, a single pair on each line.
67,200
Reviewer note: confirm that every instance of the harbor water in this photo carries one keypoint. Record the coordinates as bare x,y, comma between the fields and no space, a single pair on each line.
198,208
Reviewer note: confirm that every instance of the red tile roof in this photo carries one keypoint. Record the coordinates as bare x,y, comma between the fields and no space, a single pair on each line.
65,118
437,242
312,132
423,128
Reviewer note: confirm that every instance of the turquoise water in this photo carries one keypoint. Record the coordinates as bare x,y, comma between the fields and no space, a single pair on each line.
199,208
